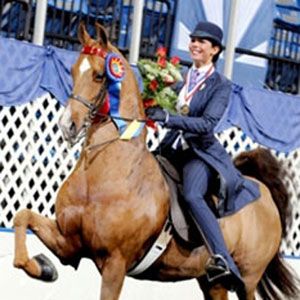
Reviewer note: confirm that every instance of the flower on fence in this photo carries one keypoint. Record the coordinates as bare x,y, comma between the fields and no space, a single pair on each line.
158,76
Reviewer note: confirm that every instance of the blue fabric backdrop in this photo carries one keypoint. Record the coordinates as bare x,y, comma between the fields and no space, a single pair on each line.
254,23
269,118
27,71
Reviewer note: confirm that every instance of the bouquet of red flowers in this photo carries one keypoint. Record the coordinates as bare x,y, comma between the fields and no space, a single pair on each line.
158,76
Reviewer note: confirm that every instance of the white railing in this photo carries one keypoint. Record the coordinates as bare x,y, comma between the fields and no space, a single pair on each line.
35,160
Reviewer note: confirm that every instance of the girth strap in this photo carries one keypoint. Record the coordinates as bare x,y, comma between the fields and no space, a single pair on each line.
155,251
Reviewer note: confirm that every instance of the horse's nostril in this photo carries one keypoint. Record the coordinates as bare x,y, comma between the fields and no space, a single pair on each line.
73,129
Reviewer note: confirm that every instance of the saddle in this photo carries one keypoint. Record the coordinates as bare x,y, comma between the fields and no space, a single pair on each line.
185,227
180,223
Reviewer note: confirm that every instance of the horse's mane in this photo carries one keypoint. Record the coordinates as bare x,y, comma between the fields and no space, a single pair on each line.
263,166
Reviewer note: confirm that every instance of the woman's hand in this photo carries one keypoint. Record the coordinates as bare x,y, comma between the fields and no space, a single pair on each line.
157,114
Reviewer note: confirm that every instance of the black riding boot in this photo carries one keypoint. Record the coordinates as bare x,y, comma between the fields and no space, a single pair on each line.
217,271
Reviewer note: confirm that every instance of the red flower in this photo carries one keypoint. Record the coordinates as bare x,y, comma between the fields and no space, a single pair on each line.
153,85
149,102
175,60
162,62
161,52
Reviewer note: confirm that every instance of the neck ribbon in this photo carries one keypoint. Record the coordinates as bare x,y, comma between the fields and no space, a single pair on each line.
115,71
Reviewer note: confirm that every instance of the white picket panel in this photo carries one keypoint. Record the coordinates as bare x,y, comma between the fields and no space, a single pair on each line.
35,160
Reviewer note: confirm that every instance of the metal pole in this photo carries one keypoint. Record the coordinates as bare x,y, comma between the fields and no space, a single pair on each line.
39,22
136,31
230,43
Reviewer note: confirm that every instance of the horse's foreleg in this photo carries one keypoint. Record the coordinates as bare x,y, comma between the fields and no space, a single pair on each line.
48,232
113,272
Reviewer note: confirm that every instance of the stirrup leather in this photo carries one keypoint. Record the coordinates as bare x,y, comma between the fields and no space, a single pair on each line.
214,271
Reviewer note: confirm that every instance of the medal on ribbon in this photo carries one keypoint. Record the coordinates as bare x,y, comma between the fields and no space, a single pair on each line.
184,109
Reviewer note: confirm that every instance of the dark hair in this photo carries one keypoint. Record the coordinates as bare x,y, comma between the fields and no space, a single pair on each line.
216,56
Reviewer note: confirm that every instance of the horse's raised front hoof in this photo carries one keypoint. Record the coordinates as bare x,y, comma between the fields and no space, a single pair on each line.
49,272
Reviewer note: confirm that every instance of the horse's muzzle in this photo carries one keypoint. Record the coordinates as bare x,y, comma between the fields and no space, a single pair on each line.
70,132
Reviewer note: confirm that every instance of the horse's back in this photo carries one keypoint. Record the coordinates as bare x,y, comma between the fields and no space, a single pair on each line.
253,234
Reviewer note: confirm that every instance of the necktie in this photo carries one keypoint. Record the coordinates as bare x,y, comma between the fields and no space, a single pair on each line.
193,79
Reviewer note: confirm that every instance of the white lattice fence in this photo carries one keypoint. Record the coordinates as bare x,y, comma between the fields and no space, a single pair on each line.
35,160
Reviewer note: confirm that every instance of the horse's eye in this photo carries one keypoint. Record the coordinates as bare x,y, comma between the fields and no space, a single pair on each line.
98,76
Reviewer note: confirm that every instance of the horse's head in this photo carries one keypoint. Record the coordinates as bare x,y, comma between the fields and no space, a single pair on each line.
90,84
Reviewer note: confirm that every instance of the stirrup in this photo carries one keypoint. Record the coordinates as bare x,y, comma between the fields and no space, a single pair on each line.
215,271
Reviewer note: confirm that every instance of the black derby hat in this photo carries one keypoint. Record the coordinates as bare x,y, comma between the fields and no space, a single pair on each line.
210,31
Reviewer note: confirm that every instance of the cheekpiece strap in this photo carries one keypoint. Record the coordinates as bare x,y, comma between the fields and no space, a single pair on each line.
94,51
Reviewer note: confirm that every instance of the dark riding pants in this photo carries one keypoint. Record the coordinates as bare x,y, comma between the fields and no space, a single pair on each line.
196,176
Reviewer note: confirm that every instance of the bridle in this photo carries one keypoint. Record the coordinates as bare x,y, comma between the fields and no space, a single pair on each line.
96,102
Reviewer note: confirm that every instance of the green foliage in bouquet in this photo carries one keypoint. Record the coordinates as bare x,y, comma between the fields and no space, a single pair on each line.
158,77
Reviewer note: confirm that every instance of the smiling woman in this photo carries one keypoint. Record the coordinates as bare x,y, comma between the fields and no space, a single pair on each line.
201,104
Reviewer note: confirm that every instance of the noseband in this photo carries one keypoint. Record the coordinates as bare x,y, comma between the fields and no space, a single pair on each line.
95,103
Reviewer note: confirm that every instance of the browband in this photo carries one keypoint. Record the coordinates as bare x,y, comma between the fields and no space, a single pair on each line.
94,51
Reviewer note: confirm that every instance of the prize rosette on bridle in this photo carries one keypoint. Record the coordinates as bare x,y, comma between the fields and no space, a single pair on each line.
115,69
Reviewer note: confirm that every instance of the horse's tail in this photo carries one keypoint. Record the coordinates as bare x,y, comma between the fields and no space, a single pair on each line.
278,278
263,166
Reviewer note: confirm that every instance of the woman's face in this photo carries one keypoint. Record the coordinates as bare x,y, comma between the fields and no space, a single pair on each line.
202,51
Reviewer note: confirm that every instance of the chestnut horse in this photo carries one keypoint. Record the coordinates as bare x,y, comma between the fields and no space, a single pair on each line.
116,201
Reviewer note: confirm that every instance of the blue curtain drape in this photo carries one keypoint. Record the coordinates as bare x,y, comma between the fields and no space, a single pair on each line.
269,118
28,71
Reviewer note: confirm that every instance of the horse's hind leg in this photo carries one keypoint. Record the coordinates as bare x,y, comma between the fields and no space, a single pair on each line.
212,293
218,292
48,232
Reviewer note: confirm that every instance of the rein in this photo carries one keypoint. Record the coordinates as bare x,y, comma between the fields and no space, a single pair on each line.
120,118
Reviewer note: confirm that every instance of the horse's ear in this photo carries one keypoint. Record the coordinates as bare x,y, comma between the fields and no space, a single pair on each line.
83,35
101,34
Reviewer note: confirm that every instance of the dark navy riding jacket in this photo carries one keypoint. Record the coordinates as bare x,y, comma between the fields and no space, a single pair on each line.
206,109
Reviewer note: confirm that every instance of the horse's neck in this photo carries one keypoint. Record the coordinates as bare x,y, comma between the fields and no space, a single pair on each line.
103,136
104,148
99,135
131,105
